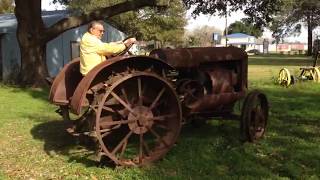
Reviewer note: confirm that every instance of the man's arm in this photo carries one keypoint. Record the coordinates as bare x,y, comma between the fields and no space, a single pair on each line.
110,48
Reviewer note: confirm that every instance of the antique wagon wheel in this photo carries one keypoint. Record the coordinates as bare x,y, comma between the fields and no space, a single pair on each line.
284,78
138,119
254,116
315,74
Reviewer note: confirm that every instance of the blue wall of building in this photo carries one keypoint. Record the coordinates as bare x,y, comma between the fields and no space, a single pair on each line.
10,55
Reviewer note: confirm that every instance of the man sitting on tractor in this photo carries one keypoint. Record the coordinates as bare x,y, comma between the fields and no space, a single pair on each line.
93,51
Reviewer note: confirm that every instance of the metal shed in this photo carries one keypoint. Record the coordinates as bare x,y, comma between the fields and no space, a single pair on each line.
59,50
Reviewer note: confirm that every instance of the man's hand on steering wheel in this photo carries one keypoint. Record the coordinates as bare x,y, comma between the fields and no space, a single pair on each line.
128,42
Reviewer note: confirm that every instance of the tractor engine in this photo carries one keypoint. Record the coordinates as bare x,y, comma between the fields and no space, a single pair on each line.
207,79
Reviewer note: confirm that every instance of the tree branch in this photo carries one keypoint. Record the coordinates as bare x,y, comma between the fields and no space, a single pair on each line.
102,13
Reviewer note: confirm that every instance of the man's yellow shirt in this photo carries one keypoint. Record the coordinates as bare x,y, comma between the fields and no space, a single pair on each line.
93,51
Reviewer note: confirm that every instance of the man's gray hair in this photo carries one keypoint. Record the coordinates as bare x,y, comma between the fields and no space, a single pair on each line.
93,23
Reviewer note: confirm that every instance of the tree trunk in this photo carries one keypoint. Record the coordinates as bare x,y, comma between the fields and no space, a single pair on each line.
310,29
33,68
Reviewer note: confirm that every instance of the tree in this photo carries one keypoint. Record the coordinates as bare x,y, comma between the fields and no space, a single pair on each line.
201,36
166,27
259,12
244,27
294,15
6,6
147,24
33,35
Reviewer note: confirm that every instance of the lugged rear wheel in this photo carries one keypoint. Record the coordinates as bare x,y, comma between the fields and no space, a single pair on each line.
138,118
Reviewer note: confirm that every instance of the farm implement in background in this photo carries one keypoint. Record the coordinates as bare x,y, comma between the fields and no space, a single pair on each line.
311,73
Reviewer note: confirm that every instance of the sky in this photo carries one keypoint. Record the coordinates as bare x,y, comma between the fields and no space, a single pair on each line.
220,23
201,20
49,6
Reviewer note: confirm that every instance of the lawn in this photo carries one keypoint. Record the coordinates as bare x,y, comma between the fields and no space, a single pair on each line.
34,145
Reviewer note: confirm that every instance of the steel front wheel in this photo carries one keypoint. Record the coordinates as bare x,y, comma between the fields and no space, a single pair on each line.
138,119
254,116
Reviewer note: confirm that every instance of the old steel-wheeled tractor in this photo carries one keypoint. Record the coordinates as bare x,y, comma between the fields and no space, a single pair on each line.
133,107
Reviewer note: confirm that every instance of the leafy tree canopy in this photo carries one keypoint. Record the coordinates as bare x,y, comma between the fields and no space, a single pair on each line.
244,27
6,6
259,12
293,15
145,24
201,36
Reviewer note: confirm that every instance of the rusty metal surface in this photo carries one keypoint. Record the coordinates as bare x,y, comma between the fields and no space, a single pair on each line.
109,68
65,83
193,57
223,80
213,101
222,91
213,84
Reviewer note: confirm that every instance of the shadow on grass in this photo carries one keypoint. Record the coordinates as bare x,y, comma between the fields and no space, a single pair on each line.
210,151
289,149
58,141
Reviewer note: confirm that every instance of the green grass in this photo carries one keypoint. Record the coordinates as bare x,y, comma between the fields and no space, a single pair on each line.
34,145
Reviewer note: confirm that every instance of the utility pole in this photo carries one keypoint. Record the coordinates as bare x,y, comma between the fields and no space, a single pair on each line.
226,30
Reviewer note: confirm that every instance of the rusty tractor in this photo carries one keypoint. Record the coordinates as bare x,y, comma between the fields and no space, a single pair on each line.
133,107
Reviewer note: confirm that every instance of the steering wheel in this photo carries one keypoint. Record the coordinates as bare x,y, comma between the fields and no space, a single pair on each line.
126,50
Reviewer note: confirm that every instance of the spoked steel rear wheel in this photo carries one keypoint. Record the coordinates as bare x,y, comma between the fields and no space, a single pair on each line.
138,119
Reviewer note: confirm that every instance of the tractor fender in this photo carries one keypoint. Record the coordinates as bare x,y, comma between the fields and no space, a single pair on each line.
109,67
65,83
